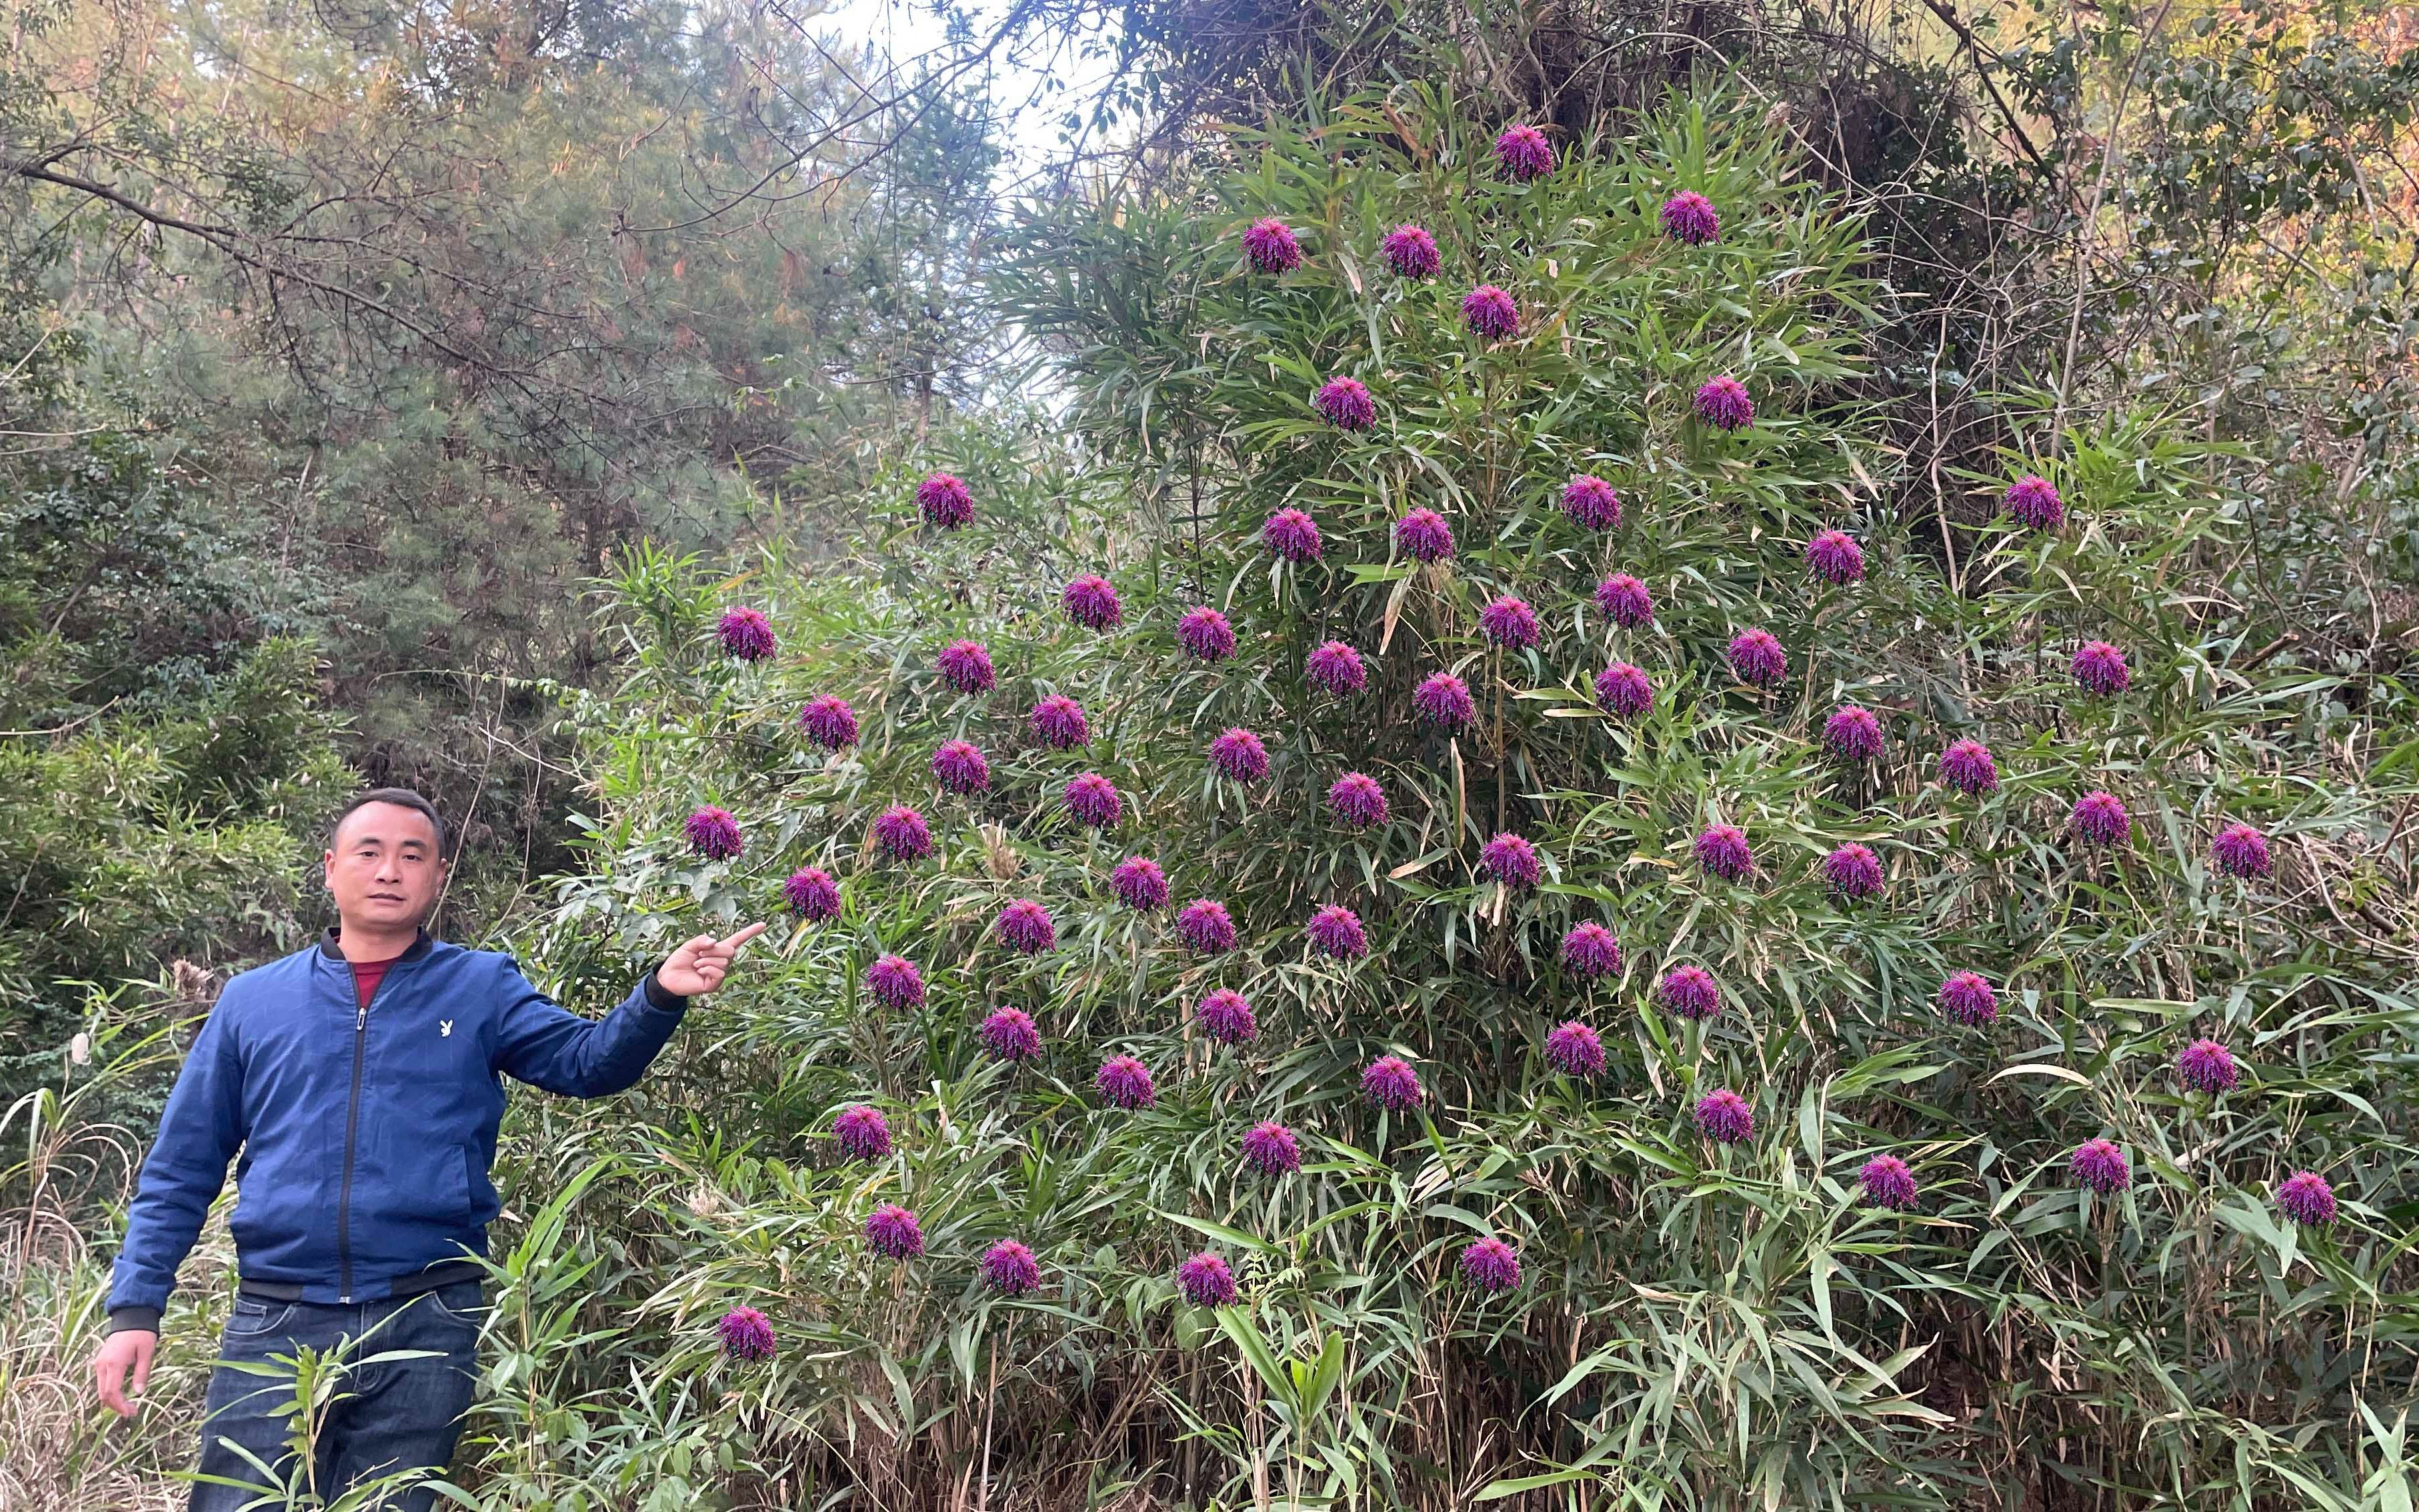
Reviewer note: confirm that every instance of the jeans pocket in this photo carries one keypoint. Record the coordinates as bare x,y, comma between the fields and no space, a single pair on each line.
252,1316
465,1303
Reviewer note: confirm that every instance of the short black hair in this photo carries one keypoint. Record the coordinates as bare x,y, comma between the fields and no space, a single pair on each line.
401,798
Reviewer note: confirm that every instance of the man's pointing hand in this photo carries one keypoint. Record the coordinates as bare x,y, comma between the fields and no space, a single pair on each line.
699,965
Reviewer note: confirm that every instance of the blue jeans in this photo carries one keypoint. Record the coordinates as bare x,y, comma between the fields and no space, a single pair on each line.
396,1415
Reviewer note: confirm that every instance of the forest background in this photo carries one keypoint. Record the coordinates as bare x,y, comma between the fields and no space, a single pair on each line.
391,395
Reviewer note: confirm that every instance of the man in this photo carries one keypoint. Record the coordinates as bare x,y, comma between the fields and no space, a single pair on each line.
362,1080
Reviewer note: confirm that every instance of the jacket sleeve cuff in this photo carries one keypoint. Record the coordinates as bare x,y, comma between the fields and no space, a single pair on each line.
658,998
134,1320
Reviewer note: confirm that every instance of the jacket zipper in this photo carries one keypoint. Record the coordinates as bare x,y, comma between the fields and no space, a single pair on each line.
352,1128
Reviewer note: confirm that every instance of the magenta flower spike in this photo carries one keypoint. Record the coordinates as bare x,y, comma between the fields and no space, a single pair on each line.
2207,1066
1241,755
746,634
1335,931
1270,1149
1853,871
2100,819
1523,153
1591,503
1125,1081
1723,404
1424,535
1967,766
1011,1034
2242,852
1491,1265
1293,535
2101,668
1724,1117
1888,1182
1411,253
1689,217
1624,691
1836,557
2306,1198
1757,660
965,665
862,1133
1590,950
1207,1281
1271,245
1092,601
1206,635
1510,859
1442,698
1344,403
895,982
1510,623
1010,1268
902,833
961,768
1336,668
1576,1050
1722,851
945,501
893,1231
2033,500
1689,992
1624,601
1206,927
1226,1017
1852,733
1489,313
1026,927
1357,800
1966,996
2099,1164
1092,801
1058,722
1389,1082
812,893
1139,884
829,722
746,1334
714,833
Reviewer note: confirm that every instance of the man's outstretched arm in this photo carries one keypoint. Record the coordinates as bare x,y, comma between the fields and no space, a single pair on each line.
551,1047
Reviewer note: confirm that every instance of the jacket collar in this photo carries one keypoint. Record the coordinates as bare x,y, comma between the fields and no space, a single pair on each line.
421,945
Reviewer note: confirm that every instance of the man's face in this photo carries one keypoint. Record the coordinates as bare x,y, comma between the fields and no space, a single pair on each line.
384,869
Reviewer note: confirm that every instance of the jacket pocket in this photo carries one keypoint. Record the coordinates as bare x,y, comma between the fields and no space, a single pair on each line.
484,1204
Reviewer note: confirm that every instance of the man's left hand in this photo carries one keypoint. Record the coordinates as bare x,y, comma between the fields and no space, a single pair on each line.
699,965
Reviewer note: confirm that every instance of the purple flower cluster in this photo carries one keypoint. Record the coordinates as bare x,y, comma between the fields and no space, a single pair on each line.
1092,601
1206,1281
1336,932
1058,722
2034,501
2101,668
1489,313
965,665
746,1333
1888,1182
1852,733
1722,851
1757,660
902,833
945,501
1344,403
2207,1066
1226,1017
1206,927
1271,245
2241,851
1009,1033
1724,1117
1491,1265
1523,153
1967,766
1966,996
960,767
1139,884
1424,535
746,634
2099,818
1293,535
1445,699
893,1231
862,1133
1270,1149
1389,1082
714,833
1510,859
1576,1050
2307,1200
2099,1164
1240,754
1358,800
1836,557
1510,622
1591,503
1690,991
1723,403
1026,927
1206,635
1623,689
829,722
1624,601
1125,1081
1690,217
1853,871
1336,666
1010,1268
1092,801
812,893
1590,952
895,982
1411,253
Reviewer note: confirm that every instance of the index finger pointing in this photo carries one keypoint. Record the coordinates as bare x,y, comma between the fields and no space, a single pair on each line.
731,945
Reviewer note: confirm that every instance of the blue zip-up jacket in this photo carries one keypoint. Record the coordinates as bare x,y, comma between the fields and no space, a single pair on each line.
367,1131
